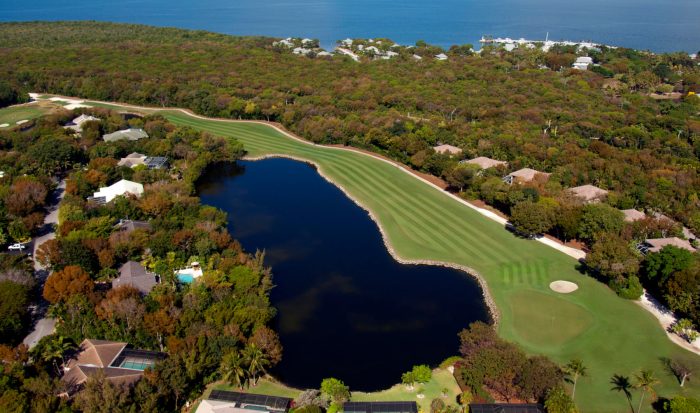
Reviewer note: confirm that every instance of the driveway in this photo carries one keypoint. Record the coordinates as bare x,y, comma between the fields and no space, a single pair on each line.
44,326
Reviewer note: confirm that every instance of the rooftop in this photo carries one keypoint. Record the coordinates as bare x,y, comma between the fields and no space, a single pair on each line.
525,175
119,364
122,187
632,215
134,274
506,408
128,134
486,163
657,244
447,149
588,193
380,407
221,401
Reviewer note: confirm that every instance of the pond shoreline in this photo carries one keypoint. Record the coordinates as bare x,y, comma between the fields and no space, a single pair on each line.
485,292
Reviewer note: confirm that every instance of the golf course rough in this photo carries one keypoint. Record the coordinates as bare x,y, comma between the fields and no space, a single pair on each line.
611,335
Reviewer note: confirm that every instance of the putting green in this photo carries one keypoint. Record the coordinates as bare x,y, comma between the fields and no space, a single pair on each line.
543,320
613,335
12,114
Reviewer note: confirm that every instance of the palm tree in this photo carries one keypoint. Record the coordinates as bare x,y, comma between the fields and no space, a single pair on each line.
55,350
256,360
645,382
233,370
622,384
574,370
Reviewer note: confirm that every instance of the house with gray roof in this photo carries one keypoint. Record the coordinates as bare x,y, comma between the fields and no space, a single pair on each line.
134,274
131,134
127,225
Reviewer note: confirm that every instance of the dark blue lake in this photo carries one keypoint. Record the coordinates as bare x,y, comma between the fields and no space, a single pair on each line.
346,308
657,25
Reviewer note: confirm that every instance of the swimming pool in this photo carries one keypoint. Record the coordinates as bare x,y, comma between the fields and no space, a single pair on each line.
185,278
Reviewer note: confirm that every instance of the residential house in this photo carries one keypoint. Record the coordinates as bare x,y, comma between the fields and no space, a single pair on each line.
441,56
77,124
588,193
447,150
380,407
127,134
127,225
485,163
132,160
582,63
524,175
134,274
123,187
220,401
506,408
135,159
657,244
632,215
119,364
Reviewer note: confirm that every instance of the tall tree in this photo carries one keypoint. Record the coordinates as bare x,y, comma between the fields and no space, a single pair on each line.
623,385
645,381
575,369
233,369
256,360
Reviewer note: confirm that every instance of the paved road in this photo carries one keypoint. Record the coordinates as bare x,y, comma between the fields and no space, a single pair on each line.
44,325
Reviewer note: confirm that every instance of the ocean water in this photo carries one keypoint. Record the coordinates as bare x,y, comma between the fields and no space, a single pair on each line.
657,25
346,308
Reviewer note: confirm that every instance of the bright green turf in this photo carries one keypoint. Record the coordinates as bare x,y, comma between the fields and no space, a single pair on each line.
615,336
442,379
13,114
536,324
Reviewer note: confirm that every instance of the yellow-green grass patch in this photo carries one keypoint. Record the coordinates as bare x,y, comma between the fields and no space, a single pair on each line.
13,114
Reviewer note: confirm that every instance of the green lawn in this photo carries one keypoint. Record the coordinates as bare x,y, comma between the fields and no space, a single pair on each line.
442,379
611,335
13,114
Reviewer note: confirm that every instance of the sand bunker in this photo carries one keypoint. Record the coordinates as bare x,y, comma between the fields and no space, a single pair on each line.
563,287
19,122
4,125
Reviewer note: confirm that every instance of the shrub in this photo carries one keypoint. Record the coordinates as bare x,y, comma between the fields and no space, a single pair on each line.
629,288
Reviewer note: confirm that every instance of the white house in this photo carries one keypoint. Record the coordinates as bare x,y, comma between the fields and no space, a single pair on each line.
77,123
582,63
108,193
127,134
441,56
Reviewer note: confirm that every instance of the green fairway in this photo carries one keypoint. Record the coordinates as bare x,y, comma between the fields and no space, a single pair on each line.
12,114
611,335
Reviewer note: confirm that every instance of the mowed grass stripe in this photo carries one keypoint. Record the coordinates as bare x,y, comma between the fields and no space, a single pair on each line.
439,217
412,207
381,188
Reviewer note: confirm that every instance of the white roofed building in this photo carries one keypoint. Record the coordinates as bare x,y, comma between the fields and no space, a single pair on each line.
127,134
108,193
77,123
582,62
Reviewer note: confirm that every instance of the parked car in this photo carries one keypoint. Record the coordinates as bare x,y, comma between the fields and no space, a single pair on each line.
16,247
